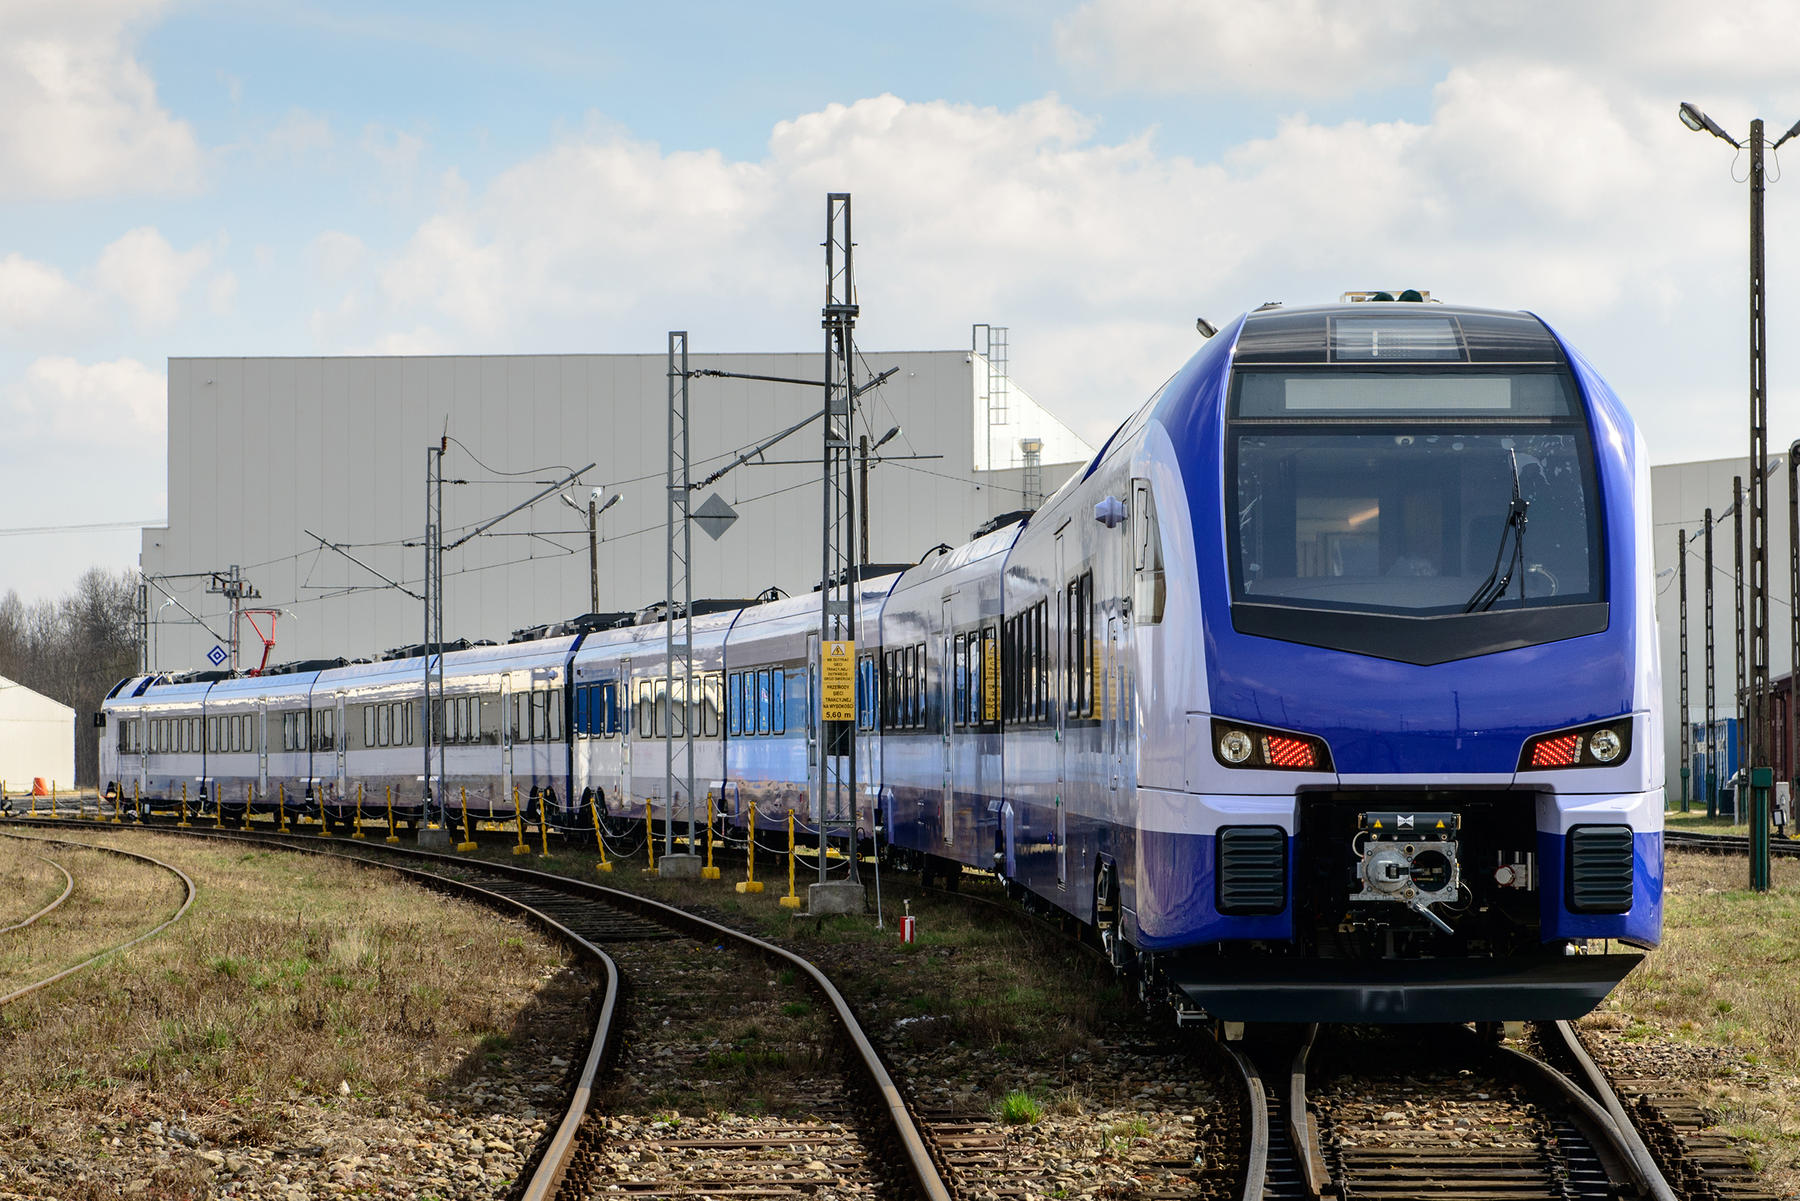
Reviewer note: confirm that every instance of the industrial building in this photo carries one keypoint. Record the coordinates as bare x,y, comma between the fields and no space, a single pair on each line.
1681,494
37,738
309,476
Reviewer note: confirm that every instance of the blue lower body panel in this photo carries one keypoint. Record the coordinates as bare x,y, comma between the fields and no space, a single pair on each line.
1177,896
1641,924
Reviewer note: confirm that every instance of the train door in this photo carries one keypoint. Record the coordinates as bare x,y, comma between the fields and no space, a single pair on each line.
627,732
142,743
262,747
1113,703
506,739
340,735
947,715
1058,703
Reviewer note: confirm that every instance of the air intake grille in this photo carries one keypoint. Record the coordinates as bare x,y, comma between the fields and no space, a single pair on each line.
1599,871
1252,869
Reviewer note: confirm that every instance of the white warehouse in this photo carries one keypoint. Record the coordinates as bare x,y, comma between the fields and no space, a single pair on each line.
270,458
37,738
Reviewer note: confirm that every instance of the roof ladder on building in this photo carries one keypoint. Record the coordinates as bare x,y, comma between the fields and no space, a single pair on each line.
989,341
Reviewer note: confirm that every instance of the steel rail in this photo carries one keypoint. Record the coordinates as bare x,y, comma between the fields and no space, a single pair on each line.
1726,844
1594,1080
1314,1174
68,888
553,1164
1256,1107
1624,1163
186,903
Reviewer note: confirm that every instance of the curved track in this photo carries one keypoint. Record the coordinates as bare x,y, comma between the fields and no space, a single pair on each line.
186,903
1301,1147
68,889
587,916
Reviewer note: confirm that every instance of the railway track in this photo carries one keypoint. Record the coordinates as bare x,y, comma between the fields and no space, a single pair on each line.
1728,844
69,888
853,1137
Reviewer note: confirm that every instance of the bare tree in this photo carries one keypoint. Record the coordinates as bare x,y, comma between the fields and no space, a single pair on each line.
74,650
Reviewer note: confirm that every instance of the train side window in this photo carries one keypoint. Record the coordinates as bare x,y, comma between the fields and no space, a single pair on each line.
715,701
581,709
368,712
959,650
1148,591
328,718
921,688
408,711
990,678
554,709
734,704
778,701
287,731
383,724
762,700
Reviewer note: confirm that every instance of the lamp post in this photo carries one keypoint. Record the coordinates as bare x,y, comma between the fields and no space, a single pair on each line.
156,638
594,509
1761,775
862,491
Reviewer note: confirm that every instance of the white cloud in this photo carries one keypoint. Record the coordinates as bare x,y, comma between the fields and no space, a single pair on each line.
79,114
221,293
110,404
1316,48
335,255
149,275
299,133
37,301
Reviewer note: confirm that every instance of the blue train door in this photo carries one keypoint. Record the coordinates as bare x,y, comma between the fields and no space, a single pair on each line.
262,747
506,739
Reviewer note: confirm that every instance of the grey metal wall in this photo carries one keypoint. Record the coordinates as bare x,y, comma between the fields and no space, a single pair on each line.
261,449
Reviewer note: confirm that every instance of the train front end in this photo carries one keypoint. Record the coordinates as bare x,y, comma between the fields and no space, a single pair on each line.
1427,761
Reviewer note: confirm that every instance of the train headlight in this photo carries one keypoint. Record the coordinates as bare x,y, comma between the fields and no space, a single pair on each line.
1235,746
1602,744
1605,745
1239,745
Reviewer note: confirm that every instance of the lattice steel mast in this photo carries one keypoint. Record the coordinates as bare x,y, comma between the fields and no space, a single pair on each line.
836,778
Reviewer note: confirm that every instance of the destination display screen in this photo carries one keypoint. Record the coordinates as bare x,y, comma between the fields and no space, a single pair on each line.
1449,393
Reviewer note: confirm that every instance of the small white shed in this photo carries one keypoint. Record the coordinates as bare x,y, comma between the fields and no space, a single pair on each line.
37,738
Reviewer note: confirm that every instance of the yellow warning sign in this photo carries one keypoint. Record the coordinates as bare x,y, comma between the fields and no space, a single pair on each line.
837,681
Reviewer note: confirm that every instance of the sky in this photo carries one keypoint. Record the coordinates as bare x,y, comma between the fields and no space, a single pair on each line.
254,177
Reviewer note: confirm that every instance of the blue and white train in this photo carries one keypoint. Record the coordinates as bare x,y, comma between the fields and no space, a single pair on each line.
1327,691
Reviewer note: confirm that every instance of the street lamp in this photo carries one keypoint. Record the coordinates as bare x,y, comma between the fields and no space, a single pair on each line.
594,509
156,636
1761,776
863,452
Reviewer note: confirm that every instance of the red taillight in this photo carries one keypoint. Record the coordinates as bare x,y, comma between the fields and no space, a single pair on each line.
1562,751
1281,751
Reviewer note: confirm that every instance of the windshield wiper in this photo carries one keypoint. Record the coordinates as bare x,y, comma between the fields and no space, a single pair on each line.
1494,587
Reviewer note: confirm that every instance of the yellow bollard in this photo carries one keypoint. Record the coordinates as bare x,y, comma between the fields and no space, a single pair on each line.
281,807
53,812
649,838
137,803
118,796
605,864
359,832
324,816
709,872
184,820
468,842
750,883
218,809
523,847
792,900
34,800
249,802
392,836
544,823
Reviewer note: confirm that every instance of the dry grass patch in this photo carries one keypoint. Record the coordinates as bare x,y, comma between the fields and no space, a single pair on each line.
293,978
115,900
1725,979
27,883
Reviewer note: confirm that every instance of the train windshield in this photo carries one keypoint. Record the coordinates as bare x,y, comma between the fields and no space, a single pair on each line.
1418,494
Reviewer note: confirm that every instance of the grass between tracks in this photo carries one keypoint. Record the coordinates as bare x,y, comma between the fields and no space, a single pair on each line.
292,979
1725,980
27,883
1018,999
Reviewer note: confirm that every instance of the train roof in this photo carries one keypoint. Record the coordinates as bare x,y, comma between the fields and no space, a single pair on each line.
1401,332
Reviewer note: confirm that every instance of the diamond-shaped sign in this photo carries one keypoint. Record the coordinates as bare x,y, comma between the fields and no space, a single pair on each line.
715,516
217,656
